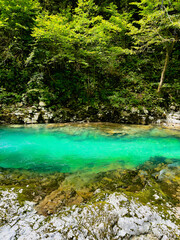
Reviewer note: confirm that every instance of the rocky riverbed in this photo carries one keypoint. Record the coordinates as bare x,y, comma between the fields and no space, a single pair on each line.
141,203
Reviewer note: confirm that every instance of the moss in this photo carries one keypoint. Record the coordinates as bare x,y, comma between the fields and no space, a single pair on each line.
77,188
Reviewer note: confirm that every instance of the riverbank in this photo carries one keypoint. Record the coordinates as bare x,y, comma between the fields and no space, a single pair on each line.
22,114
114,217
142,203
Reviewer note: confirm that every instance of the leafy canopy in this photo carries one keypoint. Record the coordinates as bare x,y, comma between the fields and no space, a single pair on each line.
159,23
16,15
84,37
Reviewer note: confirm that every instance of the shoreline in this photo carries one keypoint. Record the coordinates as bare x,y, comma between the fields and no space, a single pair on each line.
123,204
173,126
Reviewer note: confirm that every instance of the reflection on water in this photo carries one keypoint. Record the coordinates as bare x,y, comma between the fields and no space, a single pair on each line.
84,147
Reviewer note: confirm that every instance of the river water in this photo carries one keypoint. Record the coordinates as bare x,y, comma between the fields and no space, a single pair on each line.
85,147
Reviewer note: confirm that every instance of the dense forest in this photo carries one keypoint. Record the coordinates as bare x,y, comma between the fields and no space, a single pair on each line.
85,54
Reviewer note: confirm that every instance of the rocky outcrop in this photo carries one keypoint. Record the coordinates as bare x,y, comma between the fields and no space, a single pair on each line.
173,120
142,115
112,217
26,115
22,114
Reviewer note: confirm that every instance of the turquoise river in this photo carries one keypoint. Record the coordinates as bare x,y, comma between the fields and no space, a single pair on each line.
84,147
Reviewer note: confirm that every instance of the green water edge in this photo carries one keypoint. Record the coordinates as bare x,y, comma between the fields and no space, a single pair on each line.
53,191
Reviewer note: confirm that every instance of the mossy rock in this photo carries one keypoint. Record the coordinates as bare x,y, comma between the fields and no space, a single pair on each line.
157,181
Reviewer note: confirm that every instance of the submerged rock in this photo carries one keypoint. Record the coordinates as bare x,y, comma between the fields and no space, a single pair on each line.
142,203
63,196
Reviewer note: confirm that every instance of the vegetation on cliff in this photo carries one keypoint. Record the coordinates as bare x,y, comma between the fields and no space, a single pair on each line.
76,54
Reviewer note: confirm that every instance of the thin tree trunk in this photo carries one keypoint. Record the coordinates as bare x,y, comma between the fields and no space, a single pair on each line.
163,71
168,52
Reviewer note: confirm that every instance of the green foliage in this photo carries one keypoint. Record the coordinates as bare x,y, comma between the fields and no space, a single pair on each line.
157,28
88,53
17,18
86,38
37,91
158,25
137,93
8,97
56,6
18,14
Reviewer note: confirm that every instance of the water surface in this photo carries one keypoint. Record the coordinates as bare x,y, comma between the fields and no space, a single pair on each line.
88,147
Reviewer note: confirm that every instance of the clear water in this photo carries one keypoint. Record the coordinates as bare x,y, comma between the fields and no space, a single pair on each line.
69,148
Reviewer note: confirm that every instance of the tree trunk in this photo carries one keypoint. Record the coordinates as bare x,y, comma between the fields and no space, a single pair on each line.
163,71
168,52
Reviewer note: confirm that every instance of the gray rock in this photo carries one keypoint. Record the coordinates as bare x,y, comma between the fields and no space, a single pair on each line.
36,116
125,114
151,118
42,104
145,111
134,110
173,108
27,120
114,218
30,111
